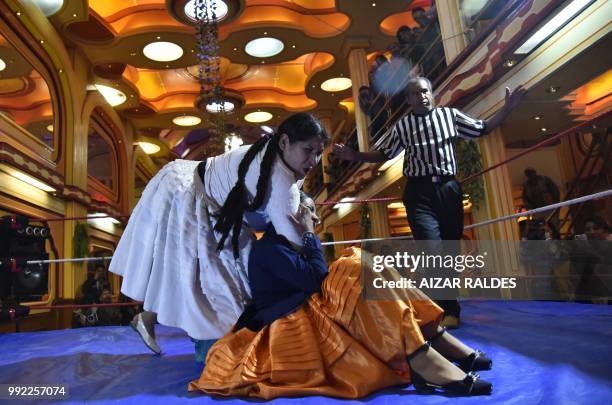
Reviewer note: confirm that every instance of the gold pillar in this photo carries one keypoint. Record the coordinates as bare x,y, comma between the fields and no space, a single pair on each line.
74,136
451,28
499,202
358,68
380,220
74,274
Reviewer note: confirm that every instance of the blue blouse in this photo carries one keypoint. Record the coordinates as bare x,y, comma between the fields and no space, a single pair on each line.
281,279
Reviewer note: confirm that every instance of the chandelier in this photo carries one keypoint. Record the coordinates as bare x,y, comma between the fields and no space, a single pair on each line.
209,69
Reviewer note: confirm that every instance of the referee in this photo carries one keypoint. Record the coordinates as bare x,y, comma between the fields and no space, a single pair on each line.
432,197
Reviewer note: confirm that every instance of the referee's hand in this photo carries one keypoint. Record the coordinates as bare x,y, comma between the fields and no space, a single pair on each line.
343,152
514,98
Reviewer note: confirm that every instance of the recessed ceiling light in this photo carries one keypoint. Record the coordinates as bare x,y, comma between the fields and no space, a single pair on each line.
2,65
553,89
509,63
555,23
49,7
187,120
258,116
112,96
373,4
163,51
543,129
149,148
220,10
264,47
537,117
50,127
336,84
214,107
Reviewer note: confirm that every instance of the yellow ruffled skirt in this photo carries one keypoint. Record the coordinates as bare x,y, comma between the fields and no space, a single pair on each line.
336,344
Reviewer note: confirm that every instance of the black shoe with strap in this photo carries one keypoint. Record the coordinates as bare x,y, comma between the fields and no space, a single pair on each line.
471,385
475,361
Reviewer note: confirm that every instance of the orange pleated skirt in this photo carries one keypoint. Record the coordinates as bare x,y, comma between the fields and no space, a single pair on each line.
336,344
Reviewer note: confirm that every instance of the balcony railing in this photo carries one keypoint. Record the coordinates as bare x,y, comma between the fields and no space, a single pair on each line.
340,170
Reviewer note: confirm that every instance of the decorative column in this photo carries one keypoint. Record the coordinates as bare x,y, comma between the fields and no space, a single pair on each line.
358,69
499,202
451,28
380,220
75,152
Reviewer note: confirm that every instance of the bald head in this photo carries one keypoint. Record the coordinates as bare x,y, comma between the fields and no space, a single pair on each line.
420,95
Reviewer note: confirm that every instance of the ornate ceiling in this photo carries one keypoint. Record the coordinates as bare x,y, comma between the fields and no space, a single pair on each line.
316,35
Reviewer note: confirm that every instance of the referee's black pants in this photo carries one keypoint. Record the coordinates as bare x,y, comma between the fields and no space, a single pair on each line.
435,212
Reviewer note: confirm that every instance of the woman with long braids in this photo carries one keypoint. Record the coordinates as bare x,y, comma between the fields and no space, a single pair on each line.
185,248
310,331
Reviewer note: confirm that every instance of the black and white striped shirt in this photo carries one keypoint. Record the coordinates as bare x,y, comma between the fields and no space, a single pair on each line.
428,140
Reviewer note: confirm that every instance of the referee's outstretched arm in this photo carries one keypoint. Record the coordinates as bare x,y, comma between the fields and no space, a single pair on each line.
512,100
346,153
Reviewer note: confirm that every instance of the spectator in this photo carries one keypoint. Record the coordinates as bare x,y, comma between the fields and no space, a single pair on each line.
592,262
108,315
374,107
409,49
432,60
92,287
539,191
596,228
424,18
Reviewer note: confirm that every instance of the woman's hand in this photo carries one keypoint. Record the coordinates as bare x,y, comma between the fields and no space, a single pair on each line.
344,152
305,219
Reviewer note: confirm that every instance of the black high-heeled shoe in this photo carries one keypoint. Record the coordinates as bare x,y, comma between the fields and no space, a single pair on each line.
471,384
476,361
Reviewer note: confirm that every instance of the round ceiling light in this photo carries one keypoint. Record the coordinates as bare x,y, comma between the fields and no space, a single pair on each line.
112,96
2,65
162,51
336,84
49,7
264,47
214,107
258,116
50,127
149,148
187,120
220,10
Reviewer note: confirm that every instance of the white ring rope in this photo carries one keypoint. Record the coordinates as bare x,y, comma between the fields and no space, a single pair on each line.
578,200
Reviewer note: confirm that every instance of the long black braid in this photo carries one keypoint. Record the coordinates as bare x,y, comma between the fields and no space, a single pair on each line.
298,127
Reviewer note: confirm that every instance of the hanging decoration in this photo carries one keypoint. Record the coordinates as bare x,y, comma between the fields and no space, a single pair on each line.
209,71
469,161
80,240
365,228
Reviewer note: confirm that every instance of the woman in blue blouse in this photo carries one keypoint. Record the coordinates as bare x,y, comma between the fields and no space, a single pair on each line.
309,331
